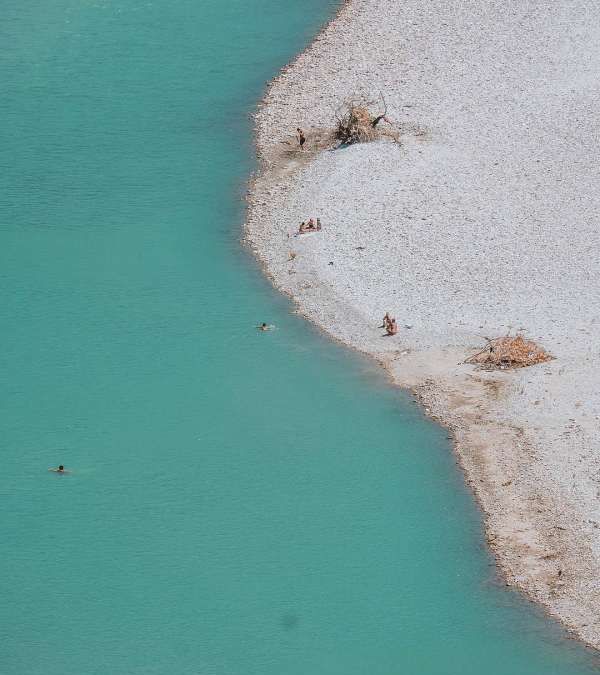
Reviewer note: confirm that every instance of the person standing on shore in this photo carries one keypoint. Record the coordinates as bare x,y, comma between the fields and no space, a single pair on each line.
301,138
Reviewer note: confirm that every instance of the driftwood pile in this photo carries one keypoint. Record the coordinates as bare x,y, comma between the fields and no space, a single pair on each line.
509,352
355,123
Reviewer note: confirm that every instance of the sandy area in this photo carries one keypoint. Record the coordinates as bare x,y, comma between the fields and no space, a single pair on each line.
483,219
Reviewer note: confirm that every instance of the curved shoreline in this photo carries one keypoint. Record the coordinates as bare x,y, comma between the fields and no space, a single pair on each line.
518,435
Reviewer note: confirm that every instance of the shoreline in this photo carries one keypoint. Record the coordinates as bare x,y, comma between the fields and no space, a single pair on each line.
517,434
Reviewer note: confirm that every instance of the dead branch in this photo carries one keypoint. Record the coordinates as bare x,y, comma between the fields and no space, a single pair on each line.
355,123
382,115
509,352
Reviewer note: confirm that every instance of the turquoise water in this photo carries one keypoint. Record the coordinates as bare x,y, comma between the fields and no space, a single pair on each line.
241,503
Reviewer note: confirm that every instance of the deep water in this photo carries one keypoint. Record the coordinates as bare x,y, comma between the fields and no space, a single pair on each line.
241,503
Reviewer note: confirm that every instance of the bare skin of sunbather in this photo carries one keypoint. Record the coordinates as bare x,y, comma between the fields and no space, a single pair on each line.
392,327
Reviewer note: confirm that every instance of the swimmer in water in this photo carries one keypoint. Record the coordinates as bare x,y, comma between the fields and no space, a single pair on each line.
59,469
264,326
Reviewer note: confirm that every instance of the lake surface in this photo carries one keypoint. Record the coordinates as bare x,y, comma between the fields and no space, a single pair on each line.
241,503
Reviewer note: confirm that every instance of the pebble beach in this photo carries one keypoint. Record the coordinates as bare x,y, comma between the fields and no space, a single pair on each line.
481,220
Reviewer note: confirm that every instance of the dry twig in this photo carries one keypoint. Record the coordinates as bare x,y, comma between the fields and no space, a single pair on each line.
356,124
509,352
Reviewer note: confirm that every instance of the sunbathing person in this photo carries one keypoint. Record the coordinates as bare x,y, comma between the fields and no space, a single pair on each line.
386,320
392,327
310,226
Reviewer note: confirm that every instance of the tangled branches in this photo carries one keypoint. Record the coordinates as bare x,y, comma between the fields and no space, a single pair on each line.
356,124
509,352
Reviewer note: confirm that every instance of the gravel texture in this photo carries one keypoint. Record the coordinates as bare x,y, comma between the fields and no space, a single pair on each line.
482,220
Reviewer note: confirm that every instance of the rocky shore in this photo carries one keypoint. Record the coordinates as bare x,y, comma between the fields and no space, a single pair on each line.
482,220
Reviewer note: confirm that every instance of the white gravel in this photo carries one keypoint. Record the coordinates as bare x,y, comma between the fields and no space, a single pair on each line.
484,219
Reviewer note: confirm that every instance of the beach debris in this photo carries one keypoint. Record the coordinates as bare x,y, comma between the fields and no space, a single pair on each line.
355,123
292,256
509,351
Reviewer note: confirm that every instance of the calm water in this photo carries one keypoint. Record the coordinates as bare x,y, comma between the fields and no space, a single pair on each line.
241,503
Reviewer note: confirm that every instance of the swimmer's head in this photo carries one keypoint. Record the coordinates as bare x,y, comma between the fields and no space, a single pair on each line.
61,467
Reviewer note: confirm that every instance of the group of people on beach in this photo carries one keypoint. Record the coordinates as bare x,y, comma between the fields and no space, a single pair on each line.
390,325
310,226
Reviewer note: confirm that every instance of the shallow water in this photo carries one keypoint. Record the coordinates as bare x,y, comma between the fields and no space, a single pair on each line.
241,503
